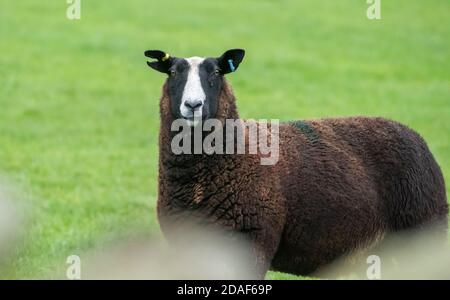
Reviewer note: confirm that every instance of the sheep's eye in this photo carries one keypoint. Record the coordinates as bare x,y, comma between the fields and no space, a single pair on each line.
172,73
216,72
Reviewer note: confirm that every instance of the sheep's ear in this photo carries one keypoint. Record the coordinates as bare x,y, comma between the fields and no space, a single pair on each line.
230,60
163,60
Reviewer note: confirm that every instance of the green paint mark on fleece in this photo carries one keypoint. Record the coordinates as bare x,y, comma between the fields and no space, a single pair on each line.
307,129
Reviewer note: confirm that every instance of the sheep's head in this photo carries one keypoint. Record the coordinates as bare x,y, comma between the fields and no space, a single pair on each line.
194,83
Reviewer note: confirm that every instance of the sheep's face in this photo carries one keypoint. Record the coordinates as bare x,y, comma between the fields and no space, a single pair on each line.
195,83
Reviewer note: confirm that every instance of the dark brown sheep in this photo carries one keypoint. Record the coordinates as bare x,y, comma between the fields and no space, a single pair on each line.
339,185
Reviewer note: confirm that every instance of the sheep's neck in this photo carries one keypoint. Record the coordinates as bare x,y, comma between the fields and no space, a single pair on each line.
226,110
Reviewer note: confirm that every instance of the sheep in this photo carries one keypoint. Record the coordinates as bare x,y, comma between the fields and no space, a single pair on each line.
340,183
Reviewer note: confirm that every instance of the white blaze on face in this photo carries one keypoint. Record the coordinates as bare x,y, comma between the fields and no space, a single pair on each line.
193,92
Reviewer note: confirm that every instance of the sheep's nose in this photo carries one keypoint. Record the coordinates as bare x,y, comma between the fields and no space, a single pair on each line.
193,104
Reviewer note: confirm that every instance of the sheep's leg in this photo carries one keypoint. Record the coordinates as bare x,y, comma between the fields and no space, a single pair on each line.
262,261
263,226
264,245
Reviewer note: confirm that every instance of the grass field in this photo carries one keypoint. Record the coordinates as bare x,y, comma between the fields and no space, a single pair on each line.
79,107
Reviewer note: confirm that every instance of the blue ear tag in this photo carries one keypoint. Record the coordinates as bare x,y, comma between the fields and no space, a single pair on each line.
230,62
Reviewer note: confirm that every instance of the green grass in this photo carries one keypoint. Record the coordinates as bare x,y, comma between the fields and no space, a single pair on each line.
79,107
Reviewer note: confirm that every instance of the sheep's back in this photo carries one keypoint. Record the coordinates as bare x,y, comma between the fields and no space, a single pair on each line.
348,181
